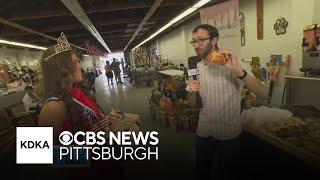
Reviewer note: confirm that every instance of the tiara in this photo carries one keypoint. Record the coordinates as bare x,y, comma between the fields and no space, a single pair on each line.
63,45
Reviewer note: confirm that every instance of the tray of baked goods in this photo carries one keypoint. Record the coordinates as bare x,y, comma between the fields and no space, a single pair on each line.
299,136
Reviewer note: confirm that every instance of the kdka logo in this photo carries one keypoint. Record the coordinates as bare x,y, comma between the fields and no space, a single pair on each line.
34,145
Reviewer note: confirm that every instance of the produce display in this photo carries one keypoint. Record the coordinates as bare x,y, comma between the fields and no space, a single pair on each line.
168,105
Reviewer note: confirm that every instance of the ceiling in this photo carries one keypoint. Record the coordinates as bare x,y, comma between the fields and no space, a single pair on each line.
115,20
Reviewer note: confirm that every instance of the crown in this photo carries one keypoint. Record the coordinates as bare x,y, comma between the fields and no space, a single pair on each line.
63,45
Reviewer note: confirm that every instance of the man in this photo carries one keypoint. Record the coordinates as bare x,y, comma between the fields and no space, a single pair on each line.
219,124
116,70
122,64
31,100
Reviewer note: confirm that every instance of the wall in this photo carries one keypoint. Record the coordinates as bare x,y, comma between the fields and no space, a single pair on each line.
21,57
298,14
175,45
88,62
24,57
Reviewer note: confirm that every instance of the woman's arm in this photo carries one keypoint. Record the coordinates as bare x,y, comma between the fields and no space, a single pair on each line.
53,114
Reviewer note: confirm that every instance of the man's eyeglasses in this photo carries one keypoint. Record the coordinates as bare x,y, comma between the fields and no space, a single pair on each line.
199,41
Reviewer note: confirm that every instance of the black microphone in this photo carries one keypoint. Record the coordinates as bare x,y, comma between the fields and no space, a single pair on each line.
193,71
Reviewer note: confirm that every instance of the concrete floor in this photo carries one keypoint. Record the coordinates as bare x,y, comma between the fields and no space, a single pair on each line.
176,150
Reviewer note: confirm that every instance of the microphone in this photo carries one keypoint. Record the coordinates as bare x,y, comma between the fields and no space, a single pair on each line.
194,71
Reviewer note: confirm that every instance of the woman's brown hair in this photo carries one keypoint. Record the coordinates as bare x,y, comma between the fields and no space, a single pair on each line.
57,72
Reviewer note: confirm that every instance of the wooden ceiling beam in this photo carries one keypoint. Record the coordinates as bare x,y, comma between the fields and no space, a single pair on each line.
80,26
104,35
76,26
31,31
106,7
152,10
8,5
107,40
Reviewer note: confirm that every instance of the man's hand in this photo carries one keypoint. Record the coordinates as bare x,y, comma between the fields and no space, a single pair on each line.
194,85
253,84
232,63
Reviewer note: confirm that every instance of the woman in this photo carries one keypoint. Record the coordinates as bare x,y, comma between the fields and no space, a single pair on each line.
109,73
68,107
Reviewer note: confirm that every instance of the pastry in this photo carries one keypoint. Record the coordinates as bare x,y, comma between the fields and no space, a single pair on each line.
217,58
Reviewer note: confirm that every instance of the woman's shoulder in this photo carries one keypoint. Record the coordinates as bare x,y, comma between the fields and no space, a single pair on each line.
54,106
53,113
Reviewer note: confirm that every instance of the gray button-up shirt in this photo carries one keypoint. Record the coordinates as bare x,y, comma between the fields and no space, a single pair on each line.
220,93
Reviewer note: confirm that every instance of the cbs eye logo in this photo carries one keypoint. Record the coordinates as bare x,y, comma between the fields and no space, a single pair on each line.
66,138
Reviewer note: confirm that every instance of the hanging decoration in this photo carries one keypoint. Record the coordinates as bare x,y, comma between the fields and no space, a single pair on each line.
259,19
280,26
94,50
242,29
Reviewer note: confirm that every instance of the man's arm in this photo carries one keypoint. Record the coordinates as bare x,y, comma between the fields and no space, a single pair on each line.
27,102
253,84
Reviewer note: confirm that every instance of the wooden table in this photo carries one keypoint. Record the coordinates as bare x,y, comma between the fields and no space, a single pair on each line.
138,78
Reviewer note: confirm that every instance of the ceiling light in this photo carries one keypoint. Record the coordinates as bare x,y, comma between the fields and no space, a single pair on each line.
21,44
176,19
78,12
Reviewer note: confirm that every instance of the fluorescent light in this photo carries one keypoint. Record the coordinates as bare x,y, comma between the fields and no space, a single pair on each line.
176,19
79,13
200,3
22,44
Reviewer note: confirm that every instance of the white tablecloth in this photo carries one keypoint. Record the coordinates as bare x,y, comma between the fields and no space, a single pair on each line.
171,72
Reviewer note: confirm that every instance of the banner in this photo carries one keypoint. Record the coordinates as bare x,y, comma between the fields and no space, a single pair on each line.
225,17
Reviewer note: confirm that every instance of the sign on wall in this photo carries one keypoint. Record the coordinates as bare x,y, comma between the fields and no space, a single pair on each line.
225,17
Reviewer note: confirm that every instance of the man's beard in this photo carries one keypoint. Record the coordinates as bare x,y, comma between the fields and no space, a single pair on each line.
207,49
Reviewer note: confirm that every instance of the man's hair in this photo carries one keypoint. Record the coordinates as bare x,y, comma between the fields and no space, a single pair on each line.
212,31
28,88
